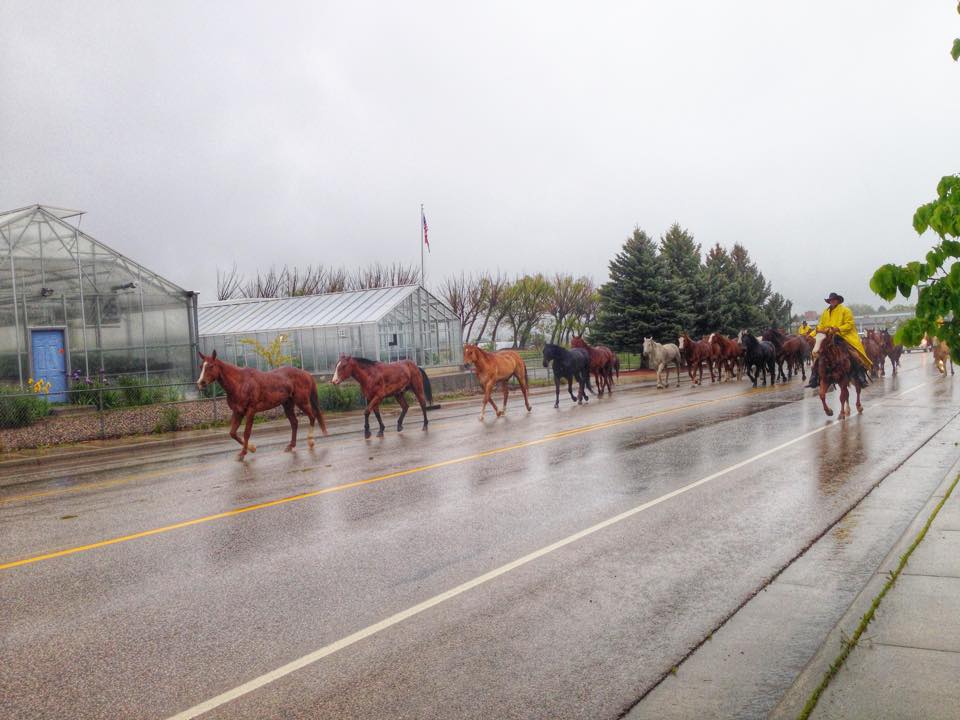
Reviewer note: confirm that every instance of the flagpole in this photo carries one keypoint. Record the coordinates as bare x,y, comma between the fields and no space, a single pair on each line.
423,279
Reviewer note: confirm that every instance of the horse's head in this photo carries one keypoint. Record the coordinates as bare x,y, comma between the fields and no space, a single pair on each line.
209,371
711,337
550,353
470,353
647,345
682,342
826,336
344,369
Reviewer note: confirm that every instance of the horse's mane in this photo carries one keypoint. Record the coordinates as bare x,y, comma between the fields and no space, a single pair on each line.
364,362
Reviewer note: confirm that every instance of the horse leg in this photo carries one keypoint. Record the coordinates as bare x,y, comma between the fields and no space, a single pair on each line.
556,385
487,393
570,390
234,424
858,388
678,374
247,429
524,390
506,394
845,401
823,396
404,406
376,412
659,371
289,409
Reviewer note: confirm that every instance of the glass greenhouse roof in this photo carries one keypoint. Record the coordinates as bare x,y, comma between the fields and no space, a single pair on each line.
251,315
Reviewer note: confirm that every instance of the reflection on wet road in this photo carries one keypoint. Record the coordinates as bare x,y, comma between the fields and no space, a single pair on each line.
545,565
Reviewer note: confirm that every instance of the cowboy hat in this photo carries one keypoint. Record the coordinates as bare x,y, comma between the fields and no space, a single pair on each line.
833,296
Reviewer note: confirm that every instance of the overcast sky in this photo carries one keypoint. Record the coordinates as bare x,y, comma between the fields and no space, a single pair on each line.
537,135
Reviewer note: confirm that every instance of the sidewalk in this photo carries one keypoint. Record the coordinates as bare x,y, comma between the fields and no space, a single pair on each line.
907,661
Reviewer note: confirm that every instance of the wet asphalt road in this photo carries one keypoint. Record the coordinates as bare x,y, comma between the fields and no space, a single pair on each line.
154,624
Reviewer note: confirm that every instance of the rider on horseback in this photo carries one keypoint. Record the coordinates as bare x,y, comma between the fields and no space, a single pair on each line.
837,315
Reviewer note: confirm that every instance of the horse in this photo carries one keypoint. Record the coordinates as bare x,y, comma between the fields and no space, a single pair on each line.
731,355
379,380
941,354
660,357
695,353
494,367
874,350
603,363
250,391
891,350
790,349
570,364
831,359
760,355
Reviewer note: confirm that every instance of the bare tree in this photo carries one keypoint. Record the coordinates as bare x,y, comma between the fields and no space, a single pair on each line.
493,304
454,291
229,283
378,275
526,304
566,293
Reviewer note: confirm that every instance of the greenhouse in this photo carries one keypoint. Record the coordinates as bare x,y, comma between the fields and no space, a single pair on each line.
386,324
71,305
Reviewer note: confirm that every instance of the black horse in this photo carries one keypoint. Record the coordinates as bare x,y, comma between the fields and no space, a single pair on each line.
761,355
570,364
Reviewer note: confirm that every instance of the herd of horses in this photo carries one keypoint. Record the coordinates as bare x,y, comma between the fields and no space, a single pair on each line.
774,354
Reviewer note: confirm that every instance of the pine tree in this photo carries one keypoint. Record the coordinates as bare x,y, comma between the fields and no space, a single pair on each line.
715,305
681,260
750,291
635,302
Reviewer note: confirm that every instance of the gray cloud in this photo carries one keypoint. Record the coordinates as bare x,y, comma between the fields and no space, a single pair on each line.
536,134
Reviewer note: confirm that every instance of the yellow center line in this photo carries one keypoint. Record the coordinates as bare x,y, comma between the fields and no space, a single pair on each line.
369,481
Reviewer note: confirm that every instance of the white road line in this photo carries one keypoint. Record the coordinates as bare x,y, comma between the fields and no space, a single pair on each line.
399,617
915,387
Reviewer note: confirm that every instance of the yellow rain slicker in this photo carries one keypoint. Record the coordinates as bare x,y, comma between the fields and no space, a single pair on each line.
841,318
807,330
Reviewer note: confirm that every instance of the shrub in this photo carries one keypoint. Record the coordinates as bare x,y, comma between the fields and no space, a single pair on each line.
339,397
138,391
19,408
169,419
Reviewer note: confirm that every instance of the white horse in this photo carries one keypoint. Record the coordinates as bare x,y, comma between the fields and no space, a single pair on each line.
660,357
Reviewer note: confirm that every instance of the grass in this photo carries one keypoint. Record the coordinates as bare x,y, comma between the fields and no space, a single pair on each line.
19,408
851,643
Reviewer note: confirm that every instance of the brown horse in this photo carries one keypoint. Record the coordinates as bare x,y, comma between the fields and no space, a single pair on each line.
494,367
695,353
871,343
831,359
603,363
250,391
730,354
791,349
890,350
382,380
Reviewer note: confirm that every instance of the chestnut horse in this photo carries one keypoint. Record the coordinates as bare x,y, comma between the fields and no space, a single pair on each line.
250,391
695,353
494,367
382,380
603,362
831,359
941,354
890,350
730,353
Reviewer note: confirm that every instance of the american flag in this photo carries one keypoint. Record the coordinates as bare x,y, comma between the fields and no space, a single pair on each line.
426,240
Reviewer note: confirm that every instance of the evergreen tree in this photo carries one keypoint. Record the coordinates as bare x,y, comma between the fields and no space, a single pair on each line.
632,302
778,311
681,260
715,305
750,291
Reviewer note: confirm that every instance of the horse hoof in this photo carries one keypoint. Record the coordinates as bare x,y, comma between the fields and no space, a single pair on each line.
310,443
399,428
500,414
367,434
288,448
240,456
380,434
829,413
251,448
859,409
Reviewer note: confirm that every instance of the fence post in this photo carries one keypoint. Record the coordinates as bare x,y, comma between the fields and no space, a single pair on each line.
103,429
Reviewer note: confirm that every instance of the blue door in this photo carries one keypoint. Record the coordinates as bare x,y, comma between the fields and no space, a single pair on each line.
50,362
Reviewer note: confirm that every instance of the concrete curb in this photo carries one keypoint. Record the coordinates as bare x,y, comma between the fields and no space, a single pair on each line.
794,700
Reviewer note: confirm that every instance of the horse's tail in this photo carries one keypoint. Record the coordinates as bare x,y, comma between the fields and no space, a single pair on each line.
315,404
427,389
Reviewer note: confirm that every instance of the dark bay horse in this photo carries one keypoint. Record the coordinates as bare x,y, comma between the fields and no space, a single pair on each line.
695,353
831,358
890,350
760,356
250,391
380,380
494,367
573,364
603,362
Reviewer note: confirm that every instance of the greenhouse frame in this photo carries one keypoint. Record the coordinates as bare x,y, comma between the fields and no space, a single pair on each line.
70,305
385,324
